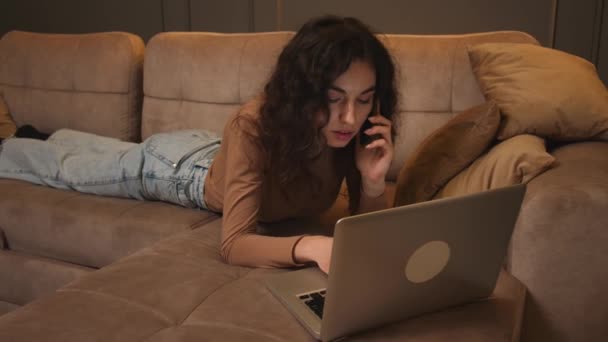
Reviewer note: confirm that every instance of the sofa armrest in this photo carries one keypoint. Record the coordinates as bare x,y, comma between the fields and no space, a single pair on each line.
559,247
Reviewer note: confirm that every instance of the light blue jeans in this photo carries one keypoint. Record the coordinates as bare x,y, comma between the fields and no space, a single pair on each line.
169,167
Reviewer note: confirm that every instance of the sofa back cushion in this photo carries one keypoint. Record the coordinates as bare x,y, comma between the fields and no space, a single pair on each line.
87,82
197,79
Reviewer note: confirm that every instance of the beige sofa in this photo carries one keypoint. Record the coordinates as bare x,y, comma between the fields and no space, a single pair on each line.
76,267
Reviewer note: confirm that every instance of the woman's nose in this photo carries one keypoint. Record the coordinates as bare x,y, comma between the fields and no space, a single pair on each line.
348,113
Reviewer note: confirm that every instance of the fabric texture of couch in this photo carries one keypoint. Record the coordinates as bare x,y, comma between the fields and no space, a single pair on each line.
82,267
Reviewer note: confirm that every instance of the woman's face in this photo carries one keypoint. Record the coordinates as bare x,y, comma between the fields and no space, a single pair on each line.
350,100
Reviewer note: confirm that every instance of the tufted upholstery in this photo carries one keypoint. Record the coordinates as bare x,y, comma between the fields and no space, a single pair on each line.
180,290
177,289
88,82
199,79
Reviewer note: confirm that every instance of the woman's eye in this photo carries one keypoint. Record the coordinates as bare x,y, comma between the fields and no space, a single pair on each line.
334,100
364,101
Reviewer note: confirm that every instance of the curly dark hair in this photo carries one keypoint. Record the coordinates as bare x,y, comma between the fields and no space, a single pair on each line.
296,93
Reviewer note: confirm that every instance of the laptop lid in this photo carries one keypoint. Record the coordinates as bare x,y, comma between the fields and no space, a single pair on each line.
400,262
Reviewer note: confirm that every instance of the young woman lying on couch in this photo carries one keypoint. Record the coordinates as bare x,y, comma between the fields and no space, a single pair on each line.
284,154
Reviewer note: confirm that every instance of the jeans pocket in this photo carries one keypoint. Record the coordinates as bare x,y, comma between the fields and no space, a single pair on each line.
174,148
204,163
169,169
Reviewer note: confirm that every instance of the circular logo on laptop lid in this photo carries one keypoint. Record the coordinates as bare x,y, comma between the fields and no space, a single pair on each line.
427,261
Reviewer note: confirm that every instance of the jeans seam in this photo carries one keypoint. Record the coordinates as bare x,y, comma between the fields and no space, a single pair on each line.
168,178
71,183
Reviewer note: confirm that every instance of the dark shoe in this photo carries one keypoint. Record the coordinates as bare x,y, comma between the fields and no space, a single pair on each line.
28,131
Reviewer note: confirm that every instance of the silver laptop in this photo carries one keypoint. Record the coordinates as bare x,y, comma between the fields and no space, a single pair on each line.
401,262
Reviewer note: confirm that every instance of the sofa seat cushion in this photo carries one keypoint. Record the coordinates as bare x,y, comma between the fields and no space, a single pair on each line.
78,316
245,310
180,290
26,277
86,229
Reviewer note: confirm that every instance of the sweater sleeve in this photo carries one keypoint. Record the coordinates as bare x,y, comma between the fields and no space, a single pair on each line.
368,204
244,174
359,202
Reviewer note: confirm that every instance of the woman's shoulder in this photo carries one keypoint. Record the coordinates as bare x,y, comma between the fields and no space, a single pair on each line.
244,122
246,118
252,107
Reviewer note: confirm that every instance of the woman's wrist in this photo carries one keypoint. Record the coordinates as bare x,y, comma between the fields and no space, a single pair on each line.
373,189
304,251
301,251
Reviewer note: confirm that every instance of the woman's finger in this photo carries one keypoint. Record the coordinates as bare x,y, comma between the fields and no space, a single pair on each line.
380,120
385,131
377,143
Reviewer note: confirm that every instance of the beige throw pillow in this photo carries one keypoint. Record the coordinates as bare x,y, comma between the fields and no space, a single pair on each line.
446,152
7,125
542,91
514,161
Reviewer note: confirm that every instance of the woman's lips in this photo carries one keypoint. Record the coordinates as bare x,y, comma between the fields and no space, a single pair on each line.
343,135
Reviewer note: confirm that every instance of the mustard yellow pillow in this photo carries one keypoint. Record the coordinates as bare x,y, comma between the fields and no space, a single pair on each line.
513,161
7,126
542,91
446,152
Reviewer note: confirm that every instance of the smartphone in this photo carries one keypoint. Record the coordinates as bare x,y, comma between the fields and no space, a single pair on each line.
365,139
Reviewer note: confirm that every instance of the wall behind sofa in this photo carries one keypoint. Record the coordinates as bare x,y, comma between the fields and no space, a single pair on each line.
575,26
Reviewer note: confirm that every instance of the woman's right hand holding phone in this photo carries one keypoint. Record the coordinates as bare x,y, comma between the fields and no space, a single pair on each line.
374,159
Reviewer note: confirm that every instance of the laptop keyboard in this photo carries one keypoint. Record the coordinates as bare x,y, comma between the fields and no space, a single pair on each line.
315,301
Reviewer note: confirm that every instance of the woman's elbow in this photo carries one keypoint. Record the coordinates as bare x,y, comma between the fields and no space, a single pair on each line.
225,254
